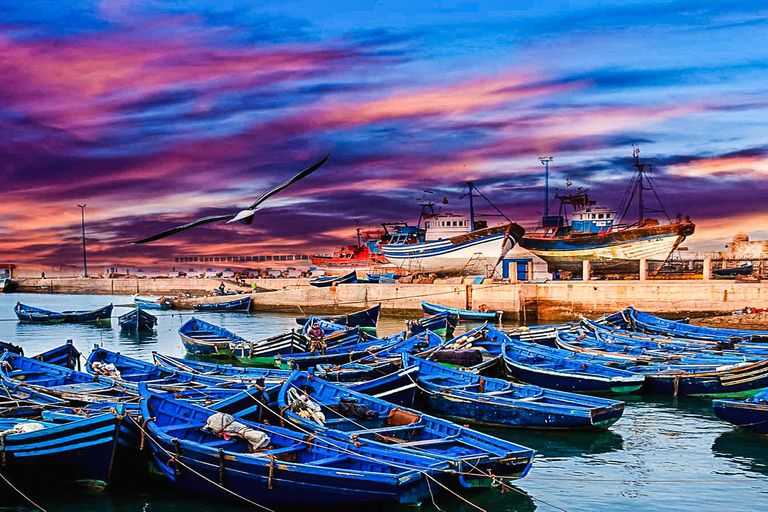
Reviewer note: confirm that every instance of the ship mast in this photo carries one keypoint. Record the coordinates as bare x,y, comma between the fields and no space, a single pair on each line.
471,193
639,183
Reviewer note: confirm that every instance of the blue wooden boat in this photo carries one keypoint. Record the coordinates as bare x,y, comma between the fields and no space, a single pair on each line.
291,470
137,320
683,375
203,338
367,352
649,350
726,381
32,314
661,342
441,323
468,397
466,315
263,352
62,452
559,369
152,302
372,422
60,382
65,355
241,305
133,371
751,414
352,372
645,322
364,318
326,281
10,347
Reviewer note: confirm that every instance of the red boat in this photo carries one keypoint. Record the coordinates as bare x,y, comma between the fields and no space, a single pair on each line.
364,256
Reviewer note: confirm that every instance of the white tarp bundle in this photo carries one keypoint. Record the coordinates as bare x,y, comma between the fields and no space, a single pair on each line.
23,428
225,425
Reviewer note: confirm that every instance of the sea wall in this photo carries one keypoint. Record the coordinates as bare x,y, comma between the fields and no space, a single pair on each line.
551,301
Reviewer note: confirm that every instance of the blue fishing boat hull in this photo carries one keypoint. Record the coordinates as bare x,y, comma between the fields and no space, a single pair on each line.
751,414
327,281
137,320
65,355
84,449
463,314
467,397
365,318
242,305
534,365
32,314
730,381
203,338
146,303
296,471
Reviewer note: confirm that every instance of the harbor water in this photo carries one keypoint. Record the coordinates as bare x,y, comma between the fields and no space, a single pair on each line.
664,453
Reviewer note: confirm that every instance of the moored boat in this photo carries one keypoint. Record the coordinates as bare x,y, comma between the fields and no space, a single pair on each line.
594,234
231,458
364,318
560,369
152,302
33,314
239,305
137,320
463,314
364,256
326,281
203,338
42,452
377,423
751,413
448,244
463,396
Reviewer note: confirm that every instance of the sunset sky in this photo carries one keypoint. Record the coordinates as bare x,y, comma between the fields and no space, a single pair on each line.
154,116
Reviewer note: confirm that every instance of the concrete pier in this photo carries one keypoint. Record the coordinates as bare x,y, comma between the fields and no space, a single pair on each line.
528,301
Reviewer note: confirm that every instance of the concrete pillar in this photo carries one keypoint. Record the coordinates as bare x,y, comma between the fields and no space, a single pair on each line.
586,270
643,269
707,269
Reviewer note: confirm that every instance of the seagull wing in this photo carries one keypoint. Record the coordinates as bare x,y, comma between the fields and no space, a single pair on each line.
173,231
303,174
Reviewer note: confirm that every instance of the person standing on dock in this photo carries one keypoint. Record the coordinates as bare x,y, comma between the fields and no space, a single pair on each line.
316,339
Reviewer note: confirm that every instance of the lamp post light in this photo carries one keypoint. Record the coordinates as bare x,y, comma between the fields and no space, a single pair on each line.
545,161
82,220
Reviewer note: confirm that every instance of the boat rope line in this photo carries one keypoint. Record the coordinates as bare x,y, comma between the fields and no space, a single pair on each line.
651,480
38,507
176,460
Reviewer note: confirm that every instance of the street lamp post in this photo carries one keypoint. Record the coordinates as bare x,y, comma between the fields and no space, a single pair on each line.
82,220
545,161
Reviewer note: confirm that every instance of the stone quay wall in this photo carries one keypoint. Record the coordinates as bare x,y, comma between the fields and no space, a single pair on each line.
526,301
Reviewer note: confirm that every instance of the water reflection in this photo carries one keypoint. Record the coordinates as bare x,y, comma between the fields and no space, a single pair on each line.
562,443
748,450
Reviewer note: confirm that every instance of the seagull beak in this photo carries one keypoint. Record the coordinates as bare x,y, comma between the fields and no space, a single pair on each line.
245,216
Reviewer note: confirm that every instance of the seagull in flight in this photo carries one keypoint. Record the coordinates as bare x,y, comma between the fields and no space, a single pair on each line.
243,216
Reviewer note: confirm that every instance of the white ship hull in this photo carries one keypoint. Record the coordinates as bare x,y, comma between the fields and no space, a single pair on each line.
469,253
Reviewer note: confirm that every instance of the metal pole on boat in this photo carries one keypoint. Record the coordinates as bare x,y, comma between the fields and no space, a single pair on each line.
82,221
545,161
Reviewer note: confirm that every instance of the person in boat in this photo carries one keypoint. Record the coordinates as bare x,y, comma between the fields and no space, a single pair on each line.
317,339
221,288
483,308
